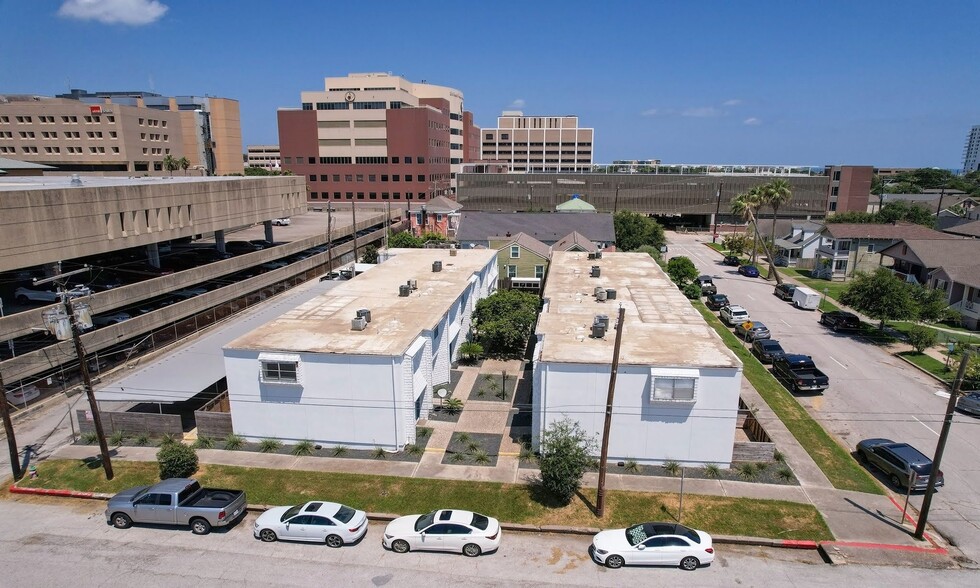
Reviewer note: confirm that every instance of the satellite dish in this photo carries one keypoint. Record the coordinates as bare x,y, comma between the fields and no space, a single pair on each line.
442,392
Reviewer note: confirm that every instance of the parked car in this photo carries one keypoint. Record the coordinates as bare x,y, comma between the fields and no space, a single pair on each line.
240,247
784,291
110,318
732,260
319,522
806,299
969,402
461,531
189,293
752,330
24,295
21,395
840,320
707,285
904,465
767,350
734,314
281,222
799,373
716,301
667,544
264,244
749,271
272,265
177,501
210,254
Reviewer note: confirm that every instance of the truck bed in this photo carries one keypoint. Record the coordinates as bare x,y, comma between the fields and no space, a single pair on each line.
212,498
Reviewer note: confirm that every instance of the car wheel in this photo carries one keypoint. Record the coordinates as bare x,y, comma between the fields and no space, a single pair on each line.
471,550
121,521
268,535
615,562
22,299
863,458
836,328
334,541
400,546
896,481
200,527
690,563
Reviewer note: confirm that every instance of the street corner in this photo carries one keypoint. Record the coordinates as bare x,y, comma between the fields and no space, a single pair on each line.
885,554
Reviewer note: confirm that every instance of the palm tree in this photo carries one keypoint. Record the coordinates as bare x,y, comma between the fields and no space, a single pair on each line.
170,163
183,163
747,205
775,194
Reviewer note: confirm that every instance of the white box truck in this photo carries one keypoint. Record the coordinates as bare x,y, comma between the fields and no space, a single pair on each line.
806,298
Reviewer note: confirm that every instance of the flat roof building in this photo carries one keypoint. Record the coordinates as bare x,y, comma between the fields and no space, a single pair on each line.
263,156
677,386
539,143
320,373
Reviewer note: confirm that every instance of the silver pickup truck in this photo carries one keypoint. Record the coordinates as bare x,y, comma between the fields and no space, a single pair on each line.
177,501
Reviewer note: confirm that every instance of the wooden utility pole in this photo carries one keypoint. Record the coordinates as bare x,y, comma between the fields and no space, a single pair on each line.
600,501
8,427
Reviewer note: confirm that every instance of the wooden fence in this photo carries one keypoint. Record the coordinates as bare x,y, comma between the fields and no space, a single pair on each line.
133,423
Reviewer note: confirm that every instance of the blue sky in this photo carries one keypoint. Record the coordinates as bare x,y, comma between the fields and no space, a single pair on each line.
859,82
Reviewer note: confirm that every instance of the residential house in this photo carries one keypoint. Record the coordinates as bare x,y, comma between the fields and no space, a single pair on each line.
439,215
915,259
799,245
962,286
574,241
522,262
476,227
967,229
846,248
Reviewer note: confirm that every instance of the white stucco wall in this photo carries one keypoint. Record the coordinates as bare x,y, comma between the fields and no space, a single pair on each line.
648,431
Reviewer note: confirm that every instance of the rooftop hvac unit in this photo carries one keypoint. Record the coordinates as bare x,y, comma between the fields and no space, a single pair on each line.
364,313
452,251
601,295
596,290
598,331
610,294
592,255
358,324
598,254
413,284
601,319
595,271
404,290
437,266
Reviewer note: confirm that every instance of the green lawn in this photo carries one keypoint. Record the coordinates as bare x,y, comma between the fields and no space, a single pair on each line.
931,365
514,503
835,462
961,336
834,289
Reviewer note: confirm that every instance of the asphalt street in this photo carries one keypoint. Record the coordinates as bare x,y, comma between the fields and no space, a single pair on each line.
59,542
871,394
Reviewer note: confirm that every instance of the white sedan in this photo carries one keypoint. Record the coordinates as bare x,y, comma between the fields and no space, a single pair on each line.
320,522
459,531
656,544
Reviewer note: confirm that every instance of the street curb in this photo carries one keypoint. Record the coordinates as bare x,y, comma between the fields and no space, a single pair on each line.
928,373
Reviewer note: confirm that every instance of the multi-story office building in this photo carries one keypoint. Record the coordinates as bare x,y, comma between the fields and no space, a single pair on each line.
376,137
263,156
539,143
850,187
971,153
212,128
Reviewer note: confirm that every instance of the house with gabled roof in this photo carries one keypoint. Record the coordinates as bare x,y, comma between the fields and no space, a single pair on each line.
960,279
439,215
968,229
476,227
522,262
798,243
846,248
574,241
915,259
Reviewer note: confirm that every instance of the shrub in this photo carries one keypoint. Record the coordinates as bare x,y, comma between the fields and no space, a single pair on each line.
473,446
422,432
778,456
339,451
233,442
204,442
142,439
481,457
452,406
168,438
414,450
784,473
761,466
672,467
304,447
117,438
457,458
470,351
270,445
527,454
712,471
631,467
90,438
379,453
566,453
177,461
746,471
463,437
921,338
692,290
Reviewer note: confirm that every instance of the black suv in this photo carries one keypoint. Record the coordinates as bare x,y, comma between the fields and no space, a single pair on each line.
785,291
905,466
840,319
767,350
716,301
732,260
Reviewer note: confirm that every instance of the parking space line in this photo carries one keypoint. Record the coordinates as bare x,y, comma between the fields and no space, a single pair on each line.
785,323
925,425
837,362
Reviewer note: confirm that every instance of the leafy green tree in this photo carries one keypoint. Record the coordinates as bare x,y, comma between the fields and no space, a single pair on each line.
932,304
503,321
648,249
880,295
921,338
971,379
404,240
634,230
176,461
682,270
901,211
566,454
470,351
852,217
370,254
735,244
430,237
170,163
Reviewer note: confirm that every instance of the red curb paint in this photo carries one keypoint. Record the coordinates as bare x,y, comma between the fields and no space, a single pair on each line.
909,518
887,546
51,492
796,544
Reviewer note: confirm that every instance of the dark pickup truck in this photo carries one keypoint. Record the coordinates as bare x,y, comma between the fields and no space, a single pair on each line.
176,501
799,374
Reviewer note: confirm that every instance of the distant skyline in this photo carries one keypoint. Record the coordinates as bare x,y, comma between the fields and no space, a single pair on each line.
891,84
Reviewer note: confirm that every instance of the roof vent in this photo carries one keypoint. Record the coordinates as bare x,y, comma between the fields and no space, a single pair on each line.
595,271
596,290
413,284
76,180
358,324
601,319
600,296
364,313
437,266
592,255
452,251
598,331
404,290
610,294
598,254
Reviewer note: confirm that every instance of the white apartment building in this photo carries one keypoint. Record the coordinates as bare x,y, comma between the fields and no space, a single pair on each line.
538,143
677,387
356,366
263,156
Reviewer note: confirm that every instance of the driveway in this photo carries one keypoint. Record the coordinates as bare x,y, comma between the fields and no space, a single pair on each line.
872,394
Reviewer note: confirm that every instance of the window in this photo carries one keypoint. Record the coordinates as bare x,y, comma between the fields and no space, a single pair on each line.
539,271
372,177
394,160
836,176
835,191
515,251
323,177
348,178
336,177
871,247
360,177
421,178
408,159
280,372
489,137
504,136
673,389
395,177
840,265
843,246
384,177
312,177
314,196
511,271
420,159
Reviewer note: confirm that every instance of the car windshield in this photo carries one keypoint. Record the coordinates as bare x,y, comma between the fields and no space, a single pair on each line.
480,522
345,514
770,345
293,511
425,520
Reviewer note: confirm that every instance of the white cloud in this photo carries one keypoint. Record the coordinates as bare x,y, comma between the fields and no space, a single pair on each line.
701,112
517,103
752,121
650,112
732,102
129,12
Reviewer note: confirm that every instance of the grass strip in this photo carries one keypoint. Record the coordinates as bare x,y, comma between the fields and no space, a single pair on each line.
514,503
930,364
830,456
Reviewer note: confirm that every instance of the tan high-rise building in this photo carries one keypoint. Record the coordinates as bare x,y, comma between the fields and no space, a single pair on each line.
539,143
